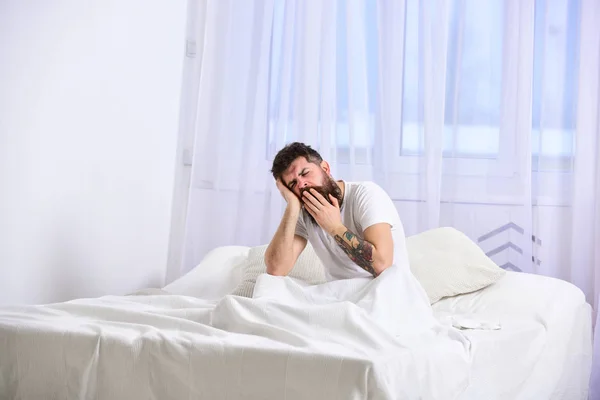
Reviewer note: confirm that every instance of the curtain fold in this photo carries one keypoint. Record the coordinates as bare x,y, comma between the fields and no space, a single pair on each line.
477,115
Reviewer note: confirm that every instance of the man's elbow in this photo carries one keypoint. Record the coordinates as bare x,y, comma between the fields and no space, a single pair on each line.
274,268
276,272
381,265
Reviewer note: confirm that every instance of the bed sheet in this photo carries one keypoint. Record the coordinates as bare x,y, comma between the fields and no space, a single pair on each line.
356,339
543,348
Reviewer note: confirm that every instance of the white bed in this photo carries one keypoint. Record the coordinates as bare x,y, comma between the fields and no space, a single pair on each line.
189,341
542,351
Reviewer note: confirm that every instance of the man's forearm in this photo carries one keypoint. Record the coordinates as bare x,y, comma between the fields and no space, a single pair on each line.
363,253
279,256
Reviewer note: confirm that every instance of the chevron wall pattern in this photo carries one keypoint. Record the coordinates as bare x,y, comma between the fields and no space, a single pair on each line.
509,245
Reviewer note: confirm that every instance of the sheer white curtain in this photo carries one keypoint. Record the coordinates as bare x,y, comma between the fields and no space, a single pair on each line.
477,115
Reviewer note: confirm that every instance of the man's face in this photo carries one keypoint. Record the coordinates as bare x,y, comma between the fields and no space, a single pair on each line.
302,175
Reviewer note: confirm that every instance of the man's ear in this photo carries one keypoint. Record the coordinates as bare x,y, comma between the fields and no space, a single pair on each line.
325,167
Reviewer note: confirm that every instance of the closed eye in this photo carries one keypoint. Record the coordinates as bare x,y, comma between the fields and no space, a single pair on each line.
293,183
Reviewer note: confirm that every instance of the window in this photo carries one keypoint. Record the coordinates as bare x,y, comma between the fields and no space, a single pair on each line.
473,80
555,71
473,83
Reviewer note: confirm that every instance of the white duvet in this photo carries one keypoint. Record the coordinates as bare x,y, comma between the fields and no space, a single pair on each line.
359,338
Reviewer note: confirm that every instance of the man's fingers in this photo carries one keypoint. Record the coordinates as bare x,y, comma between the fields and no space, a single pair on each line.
311,212
311,198
311,208
318,196
334,200
280,185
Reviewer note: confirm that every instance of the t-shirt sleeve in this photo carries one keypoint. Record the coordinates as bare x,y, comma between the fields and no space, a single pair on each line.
374,206
301,228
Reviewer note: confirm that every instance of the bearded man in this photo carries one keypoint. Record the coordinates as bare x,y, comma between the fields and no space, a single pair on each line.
353,227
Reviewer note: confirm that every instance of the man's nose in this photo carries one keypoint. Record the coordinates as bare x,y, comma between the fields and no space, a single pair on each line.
302,184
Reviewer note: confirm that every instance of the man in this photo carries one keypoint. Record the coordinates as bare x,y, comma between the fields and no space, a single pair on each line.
353,227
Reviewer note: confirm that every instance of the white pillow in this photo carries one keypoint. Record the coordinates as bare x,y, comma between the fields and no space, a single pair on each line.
308,269
219,272
447,263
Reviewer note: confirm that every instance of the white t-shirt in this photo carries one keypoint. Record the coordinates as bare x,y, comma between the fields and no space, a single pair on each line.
365,204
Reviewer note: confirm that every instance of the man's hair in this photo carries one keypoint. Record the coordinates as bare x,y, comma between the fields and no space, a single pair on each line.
289,153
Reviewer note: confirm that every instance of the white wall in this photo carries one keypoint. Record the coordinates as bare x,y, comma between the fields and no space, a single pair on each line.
89,104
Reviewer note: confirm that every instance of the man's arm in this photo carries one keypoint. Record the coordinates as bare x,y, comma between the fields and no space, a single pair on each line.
374,253
286,246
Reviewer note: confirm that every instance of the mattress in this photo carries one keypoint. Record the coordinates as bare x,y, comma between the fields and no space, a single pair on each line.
543,347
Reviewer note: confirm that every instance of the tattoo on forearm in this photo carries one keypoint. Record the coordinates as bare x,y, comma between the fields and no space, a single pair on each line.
360,251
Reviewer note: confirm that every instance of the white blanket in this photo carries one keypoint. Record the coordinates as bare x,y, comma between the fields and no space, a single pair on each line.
374,339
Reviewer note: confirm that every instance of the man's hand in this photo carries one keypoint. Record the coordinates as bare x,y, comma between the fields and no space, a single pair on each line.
326,214
290,198
286,246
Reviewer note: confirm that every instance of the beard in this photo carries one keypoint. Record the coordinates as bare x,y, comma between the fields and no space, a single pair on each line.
329,188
